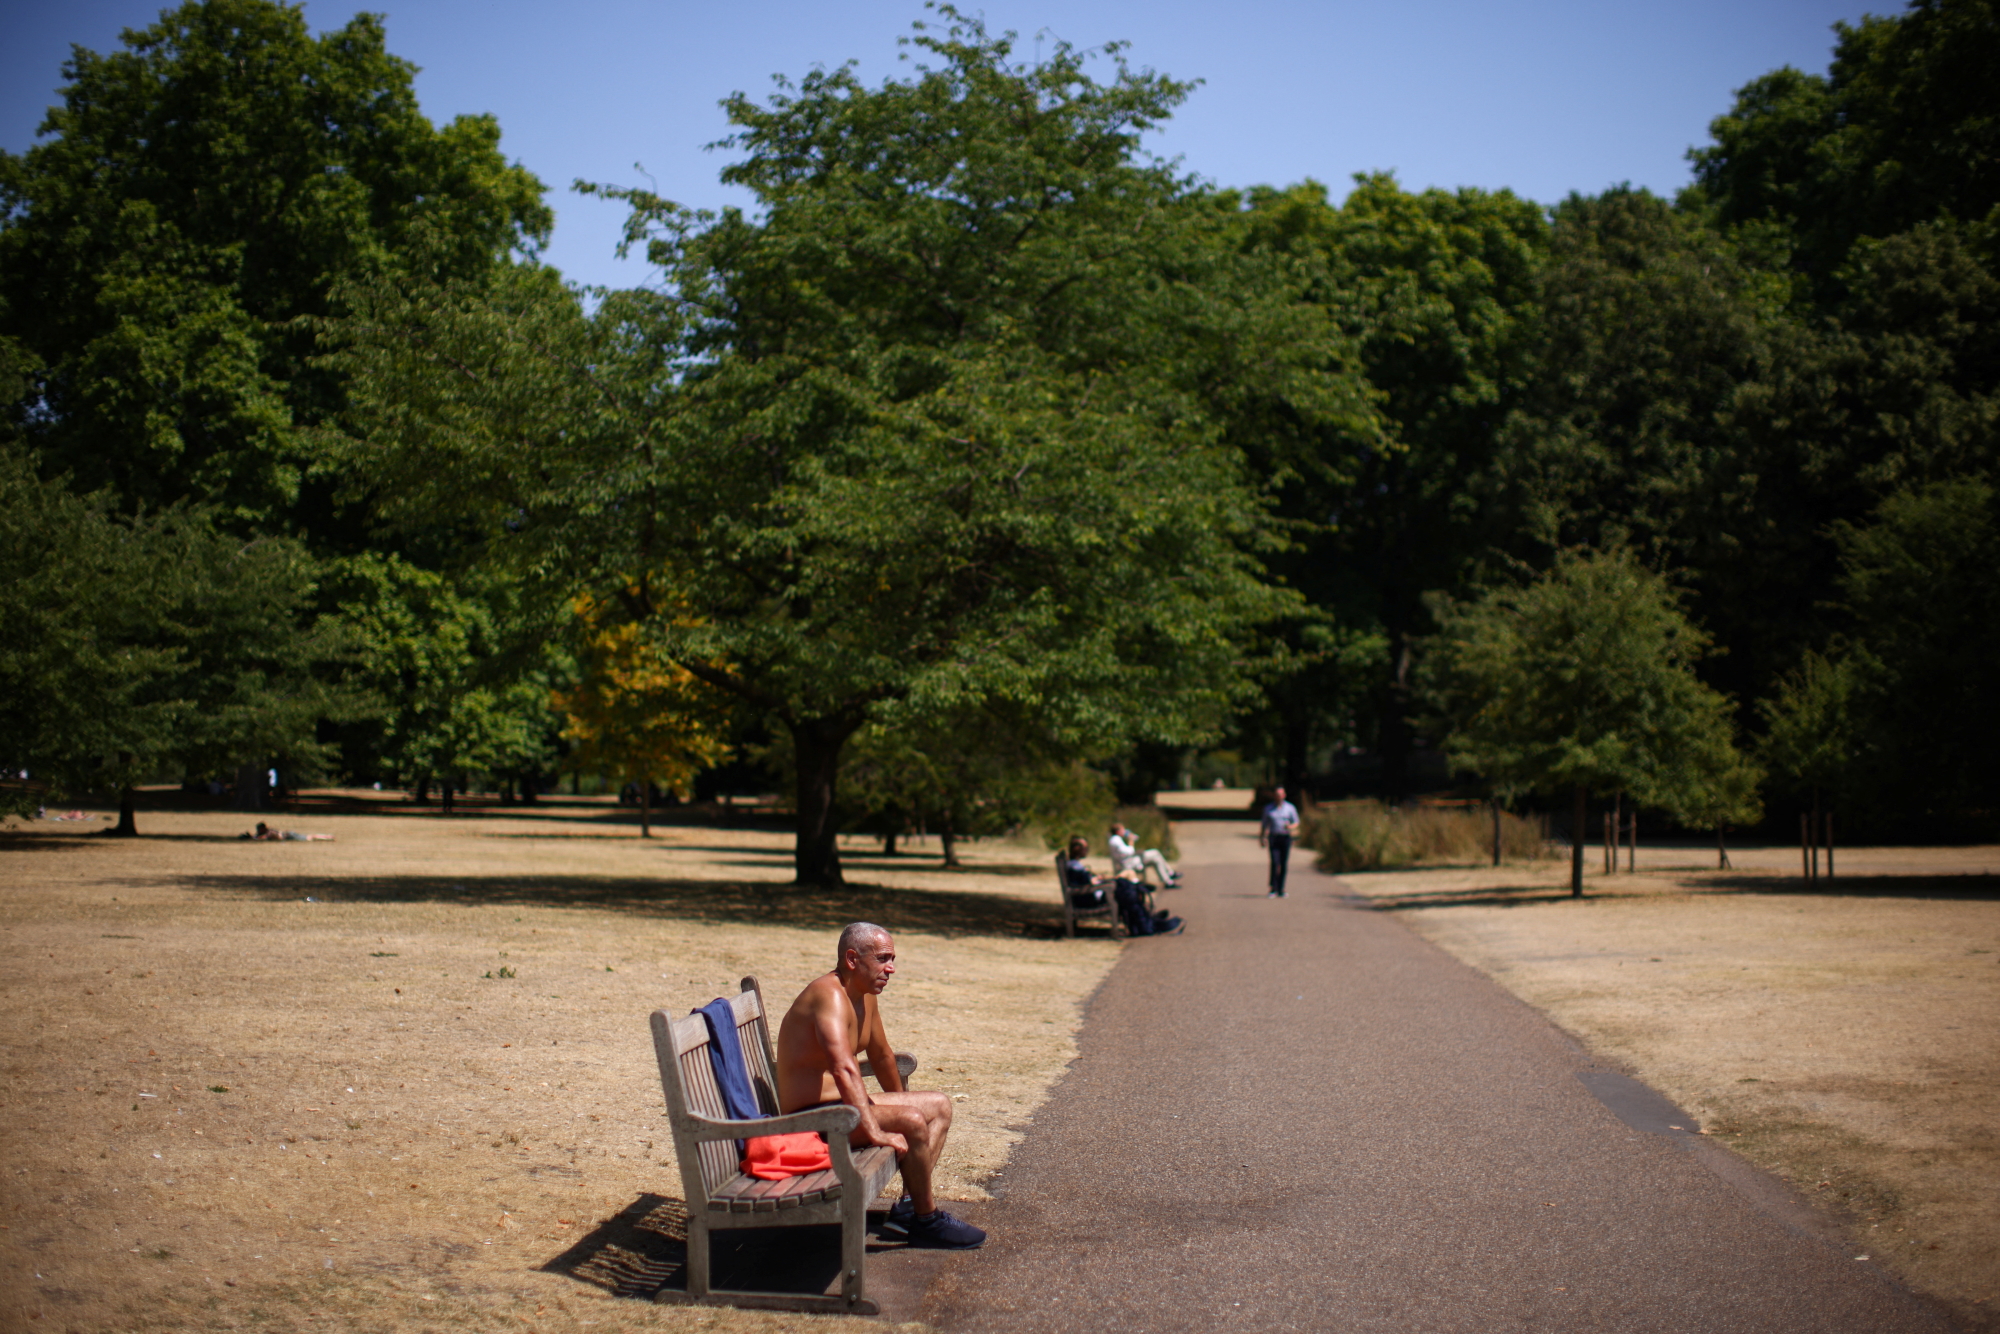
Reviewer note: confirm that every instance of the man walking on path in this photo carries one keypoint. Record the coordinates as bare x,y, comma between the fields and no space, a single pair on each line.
1280,822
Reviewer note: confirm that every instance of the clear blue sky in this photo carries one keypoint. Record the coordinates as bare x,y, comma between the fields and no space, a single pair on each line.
1542,96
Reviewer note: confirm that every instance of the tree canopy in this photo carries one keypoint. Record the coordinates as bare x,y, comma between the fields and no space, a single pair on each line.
192,196
942,424
1582,682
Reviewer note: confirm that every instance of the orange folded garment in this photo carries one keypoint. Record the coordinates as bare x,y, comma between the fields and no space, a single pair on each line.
775,1157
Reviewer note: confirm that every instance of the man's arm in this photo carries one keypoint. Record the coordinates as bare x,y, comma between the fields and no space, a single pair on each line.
830,1030
882,1055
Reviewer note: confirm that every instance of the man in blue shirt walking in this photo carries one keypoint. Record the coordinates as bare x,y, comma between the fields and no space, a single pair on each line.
1280,822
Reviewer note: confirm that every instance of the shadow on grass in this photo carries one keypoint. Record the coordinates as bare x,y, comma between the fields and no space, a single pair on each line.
687,900
13,841
1953,888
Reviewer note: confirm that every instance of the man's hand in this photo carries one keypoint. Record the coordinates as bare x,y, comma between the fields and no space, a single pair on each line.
873,1134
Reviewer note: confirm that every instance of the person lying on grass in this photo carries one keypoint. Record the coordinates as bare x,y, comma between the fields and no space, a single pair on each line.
836,1020
266,834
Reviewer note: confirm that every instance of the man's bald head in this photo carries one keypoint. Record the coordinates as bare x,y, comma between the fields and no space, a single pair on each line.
862,937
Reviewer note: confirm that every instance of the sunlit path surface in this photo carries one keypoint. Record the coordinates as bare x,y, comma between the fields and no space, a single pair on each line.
1300,1116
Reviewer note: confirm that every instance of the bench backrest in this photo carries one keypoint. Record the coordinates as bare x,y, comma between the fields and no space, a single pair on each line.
688,1079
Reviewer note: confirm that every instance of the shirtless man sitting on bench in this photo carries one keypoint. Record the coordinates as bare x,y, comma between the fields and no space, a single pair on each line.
834,1021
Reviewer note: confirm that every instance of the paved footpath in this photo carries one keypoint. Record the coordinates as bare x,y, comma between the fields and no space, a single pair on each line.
1300,1116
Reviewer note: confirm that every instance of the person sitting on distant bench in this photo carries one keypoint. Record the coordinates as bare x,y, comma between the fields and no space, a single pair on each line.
1086,890
1131,862
266,834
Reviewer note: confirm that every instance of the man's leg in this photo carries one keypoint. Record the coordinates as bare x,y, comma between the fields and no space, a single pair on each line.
1281,855
924,1119
1151,857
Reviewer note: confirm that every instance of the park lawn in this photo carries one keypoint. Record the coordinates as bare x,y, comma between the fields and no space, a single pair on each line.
1843,1039
287,1085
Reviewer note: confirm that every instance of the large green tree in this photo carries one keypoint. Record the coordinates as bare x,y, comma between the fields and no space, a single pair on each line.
1581,682
1899,132
192,196
1435,292
137,646
1918,581
940,423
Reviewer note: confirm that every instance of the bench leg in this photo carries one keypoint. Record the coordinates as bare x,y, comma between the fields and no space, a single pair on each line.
697,1261
853,1251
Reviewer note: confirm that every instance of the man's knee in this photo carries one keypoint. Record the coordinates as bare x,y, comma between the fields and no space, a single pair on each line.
938,1111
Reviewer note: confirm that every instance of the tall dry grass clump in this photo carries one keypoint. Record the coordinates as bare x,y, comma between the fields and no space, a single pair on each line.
1369,836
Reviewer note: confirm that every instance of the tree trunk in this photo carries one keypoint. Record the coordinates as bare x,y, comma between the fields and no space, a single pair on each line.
423,797
816,745
645,805
1721,852
1495,806
249,787
949,842
1579,830
889,843
1828,828
1815,828
1394,736
127,827
1298,737
449,789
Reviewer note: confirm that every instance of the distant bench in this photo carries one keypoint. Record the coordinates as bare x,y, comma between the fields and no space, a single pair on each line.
1109,912
720,1197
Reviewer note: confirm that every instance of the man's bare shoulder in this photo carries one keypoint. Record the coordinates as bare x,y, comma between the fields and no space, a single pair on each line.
818,994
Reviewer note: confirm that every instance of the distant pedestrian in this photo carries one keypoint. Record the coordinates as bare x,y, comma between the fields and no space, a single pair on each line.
1275,830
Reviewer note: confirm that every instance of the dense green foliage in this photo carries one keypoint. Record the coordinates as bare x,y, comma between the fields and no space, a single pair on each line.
192,198
941,427
983,456
136,644
193,195
1582,683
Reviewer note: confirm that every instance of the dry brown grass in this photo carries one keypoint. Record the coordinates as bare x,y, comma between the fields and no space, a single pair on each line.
1844,1040
351,1125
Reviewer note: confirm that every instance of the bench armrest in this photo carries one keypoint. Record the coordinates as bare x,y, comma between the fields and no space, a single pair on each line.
833,1120
906,1065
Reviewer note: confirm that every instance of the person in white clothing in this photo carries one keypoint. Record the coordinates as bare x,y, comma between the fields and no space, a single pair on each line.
1129,861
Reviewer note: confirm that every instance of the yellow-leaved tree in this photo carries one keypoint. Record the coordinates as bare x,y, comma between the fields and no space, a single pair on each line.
635,713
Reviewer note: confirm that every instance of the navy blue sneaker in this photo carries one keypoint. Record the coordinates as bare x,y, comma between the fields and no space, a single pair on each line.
897,1224
943,1232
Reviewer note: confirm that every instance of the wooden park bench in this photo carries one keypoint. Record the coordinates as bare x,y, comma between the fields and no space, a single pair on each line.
721,1197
